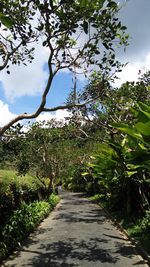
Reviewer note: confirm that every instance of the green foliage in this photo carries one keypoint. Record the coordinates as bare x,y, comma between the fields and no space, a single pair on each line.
145,223
121,166
15,26
6,21
63,19
98,198
136,145
22,222
116,132
15,189
53,200
140,231
119,169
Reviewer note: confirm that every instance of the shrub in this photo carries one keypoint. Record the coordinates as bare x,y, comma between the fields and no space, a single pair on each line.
22,222
14,190
53,200
145,224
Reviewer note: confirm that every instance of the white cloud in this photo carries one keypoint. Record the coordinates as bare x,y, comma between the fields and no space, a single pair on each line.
6,115
131,71
59,115
26,80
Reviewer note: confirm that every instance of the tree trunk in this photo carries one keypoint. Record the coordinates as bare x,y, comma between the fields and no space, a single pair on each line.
50,186
128,206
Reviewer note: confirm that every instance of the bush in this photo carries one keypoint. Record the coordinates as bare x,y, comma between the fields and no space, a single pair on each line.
140,231
22,222
53,200
145,224
98,198
14,190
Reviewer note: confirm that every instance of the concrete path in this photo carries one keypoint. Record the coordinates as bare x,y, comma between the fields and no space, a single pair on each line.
77,233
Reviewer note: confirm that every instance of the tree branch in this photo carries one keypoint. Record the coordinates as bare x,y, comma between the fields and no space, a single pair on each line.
43,109
9,55
69,106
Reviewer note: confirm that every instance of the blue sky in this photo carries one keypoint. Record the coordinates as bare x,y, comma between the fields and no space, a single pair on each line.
21,90
57,95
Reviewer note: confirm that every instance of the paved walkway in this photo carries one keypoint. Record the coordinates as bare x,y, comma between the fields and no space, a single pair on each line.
77,233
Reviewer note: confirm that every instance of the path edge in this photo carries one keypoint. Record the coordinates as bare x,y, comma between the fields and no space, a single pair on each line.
140,250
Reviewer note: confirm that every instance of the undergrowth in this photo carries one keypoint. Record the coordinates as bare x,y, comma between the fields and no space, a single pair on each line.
23,222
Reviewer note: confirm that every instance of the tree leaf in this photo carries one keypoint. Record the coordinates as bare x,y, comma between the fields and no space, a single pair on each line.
143,128
112,4
144,106
6,21
130,173
128,130
85,174
85,27
123,28
84,3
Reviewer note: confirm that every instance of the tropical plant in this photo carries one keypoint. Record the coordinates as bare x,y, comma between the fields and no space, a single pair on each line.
121,165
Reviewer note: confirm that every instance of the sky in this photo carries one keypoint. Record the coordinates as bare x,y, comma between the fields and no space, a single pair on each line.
21,90
135,15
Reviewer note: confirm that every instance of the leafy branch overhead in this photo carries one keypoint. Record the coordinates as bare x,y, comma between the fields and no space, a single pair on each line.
76,34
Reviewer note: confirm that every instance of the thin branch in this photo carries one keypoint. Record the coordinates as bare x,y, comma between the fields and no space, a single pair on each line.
69,106
42,109
9,55
74,60
83,132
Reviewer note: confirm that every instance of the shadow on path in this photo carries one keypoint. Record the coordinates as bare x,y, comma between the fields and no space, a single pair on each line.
60,253
78,233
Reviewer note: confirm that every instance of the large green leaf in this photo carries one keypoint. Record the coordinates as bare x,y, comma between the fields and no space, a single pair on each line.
142,112
145,164
130,173
128,130
6,21
147,114
144,106
143,128
134,166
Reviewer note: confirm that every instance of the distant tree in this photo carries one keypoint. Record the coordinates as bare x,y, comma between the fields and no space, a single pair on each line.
113,104
52,152
60,24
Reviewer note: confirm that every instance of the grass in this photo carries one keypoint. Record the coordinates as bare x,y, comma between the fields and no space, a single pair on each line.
135,229
142,236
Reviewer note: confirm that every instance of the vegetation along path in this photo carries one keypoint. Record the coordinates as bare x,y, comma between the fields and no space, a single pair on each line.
77,233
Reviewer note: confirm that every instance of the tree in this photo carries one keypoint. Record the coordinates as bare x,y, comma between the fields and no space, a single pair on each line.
61,151
113,104
121,164
16,33
61,24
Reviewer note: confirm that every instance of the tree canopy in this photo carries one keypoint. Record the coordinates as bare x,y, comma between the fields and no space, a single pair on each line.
76,34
